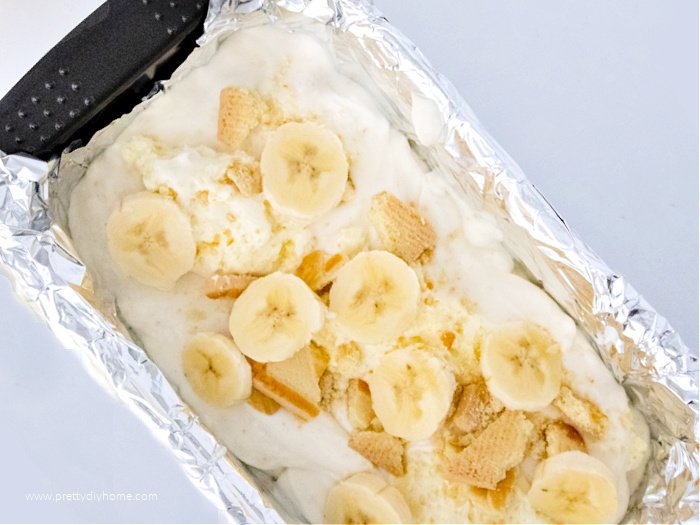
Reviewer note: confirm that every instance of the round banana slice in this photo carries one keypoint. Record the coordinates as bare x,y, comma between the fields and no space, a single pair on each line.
275,317
574,487
150,239
366,498
375,297
216,369
304,169
411,393
521,363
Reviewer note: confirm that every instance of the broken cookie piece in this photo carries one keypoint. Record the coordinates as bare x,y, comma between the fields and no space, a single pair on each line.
499,448
240,112
245,176
293,383
321,359
383,450
583,414
561,437
497,497
227,285
318,268
262,403
475,408
400,228
360,412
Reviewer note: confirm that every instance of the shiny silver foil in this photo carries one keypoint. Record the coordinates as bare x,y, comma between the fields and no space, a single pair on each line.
646,355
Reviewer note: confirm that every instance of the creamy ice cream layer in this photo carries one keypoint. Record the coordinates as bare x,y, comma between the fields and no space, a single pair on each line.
172,147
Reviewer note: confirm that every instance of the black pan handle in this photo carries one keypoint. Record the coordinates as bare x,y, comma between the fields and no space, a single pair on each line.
98,72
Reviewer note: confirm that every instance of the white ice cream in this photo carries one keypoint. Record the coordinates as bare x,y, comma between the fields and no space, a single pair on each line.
470,264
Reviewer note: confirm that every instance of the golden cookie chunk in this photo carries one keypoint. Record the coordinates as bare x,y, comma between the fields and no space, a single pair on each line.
447,338
245,177
561,437
401,229
227,285
475,408
330,391
240,111
262,403
383,450
583,414
497,497
360,412
293,383
321,359
318,268
499,448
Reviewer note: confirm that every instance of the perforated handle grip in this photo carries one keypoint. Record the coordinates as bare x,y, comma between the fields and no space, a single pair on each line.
98,72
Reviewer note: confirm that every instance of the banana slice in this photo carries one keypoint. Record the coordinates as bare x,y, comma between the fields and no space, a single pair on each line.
275,317
521,363
150,239
366,498
375,297
304,169
216,369
411,393
574,487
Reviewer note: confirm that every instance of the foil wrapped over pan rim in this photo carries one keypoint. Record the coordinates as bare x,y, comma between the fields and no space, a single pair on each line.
645,354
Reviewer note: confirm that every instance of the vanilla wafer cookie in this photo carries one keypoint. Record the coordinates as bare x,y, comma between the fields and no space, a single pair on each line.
561,437
400,227
245,176
294,382
500,447
359,404
262,403
227,285
240,111
583,414
318,268
475,408
383,450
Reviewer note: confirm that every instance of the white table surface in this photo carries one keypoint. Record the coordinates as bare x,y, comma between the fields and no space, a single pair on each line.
596,100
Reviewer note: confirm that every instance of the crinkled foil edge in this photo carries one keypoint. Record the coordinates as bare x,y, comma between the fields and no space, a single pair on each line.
646,355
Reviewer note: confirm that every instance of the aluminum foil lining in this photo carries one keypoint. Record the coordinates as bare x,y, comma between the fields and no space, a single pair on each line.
646,355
